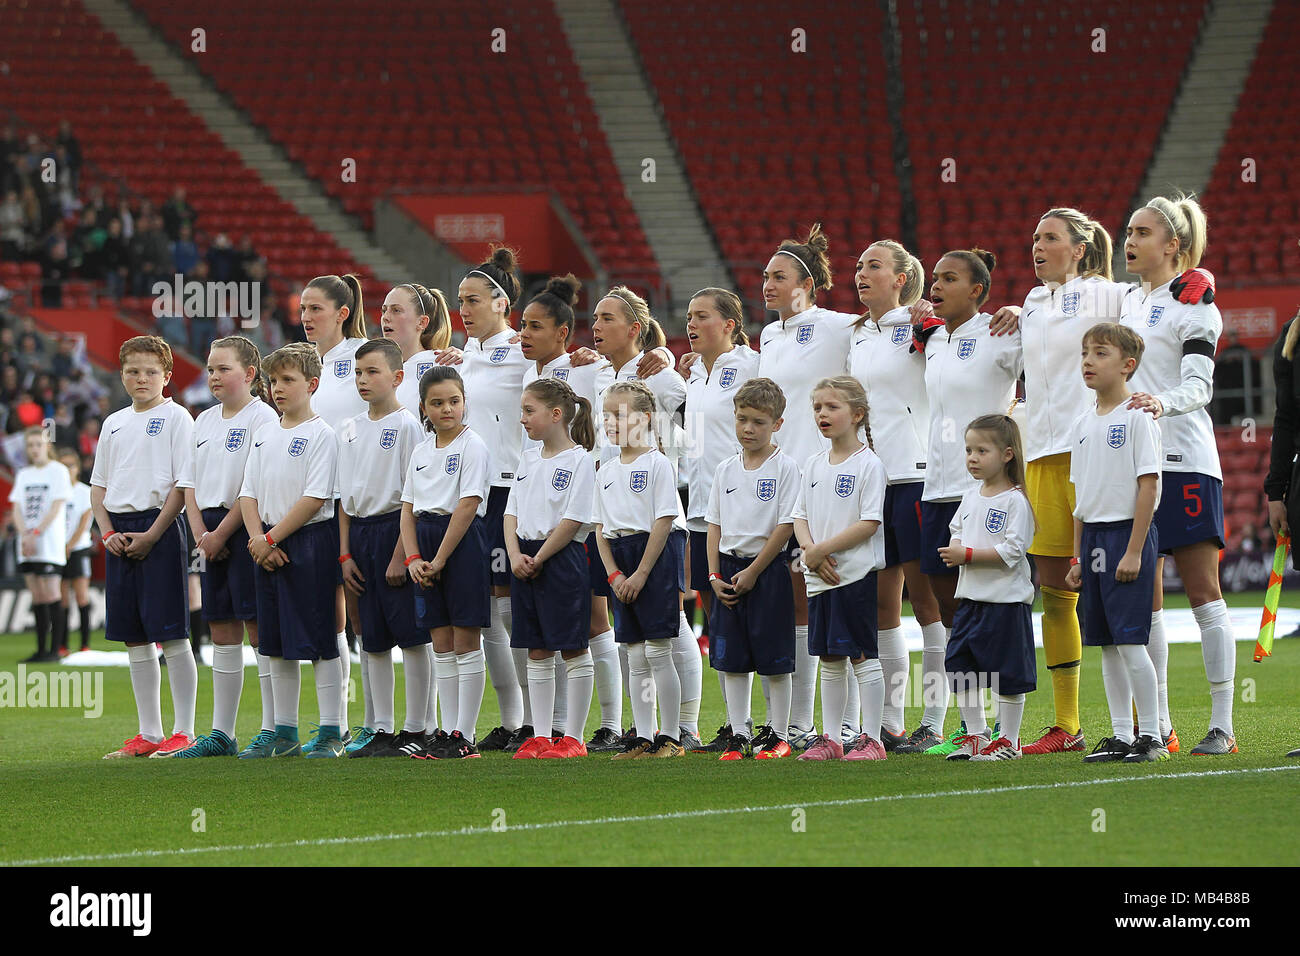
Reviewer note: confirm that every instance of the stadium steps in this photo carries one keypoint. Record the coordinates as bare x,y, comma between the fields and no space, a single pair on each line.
1202,113
633,123
257,152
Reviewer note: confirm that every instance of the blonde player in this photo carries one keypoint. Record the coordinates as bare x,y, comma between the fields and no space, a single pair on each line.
287,501
836,519
1174,383
223,440
892,372
416,319
968,373
41,491
144,452
76,572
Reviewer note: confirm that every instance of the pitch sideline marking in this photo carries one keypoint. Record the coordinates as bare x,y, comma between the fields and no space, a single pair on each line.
642,818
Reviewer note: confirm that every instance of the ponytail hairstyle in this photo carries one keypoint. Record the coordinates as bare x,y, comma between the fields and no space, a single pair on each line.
345,292
558,299
1006,434
247,354
501,275
431,302
1186,222
851,390
575,410
1292,335
439,373
810,258
637,398
904,263
729,307
981,263
1097,245
636,309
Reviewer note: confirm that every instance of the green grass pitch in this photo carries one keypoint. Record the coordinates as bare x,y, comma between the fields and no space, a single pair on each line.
61,804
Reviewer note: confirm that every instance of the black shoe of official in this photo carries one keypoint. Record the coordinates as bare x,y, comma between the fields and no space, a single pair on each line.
1109,750
603,741
519,738
380,744
719,743
498,739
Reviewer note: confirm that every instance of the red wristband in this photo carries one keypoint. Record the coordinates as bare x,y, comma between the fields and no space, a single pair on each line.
969,553
107,536
715,576
407,562
616,574
345,558
36,532
1073,562
270,540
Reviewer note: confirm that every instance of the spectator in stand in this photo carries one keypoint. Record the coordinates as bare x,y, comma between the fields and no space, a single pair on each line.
82,390
185,254
88,240
32,210
13,228
10,385
203,327
63,360
65,187
95,203
9,146
151,256
221,259
245,256
31,358
24,414
126,217
72,148
88,441
54,269
176,212
115,259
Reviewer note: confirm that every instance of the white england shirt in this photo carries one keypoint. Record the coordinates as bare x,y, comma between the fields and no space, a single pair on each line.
142,456
493,371
747,506
1052,324
1110,453
968,373
77,506
373,457
1005,523
287,464
36,490
833,497
583,380
797,354
550,490
711,424
336,398
631,497
1183,383
669,390
220,450
894,378
438,478
413,369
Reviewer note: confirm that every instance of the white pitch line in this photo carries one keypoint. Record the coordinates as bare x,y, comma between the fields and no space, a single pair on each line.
644,818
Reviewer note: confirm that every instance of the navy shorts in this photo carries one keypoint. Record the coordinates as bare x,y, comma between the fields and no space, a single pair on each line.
462,595
498,557
992,645
147,600
229,591
552,611
699,545
1190,510
77,565
758,633
387,612
42,569
902,524
936,516
653,616
295,603
1115,613
842,621
597,577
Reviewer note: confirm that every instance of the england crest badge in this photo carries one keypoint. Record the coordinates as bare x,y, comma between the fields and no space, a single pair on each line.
297,447
498,356
727,378
453,463
343,368
560,480
155,426
766,489
995,521
1154,318
1115,436
421,368
804,335
235,438
844,485
965,348
388,438
638,481
562,374
901,334
1070,303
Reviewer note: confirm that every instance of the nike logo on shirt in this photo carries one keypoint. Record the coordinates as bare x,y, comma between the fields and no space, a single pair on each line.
116,430
202,443
730,490
1082,440
421,467
520,477
607,486
814,484
257,444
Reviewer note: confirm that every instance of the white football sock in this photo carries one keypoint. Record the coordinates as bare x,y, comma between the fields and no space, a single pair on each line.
1119,695
368,707
737,696
501,666
722,683
609,680
690,673
1219,651
447,679
970,701
640,686
541,693
835,691
379,689
778,714
1158,648
146,686
560,709
894,664
183,676
286,685
934,680
227,686
264,685
765,683
581,675
417,669
345,678
668,688
852,709
626,669
804,688
869,675
431,708
520,657
1011,712
329,675
1142,681
471,670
